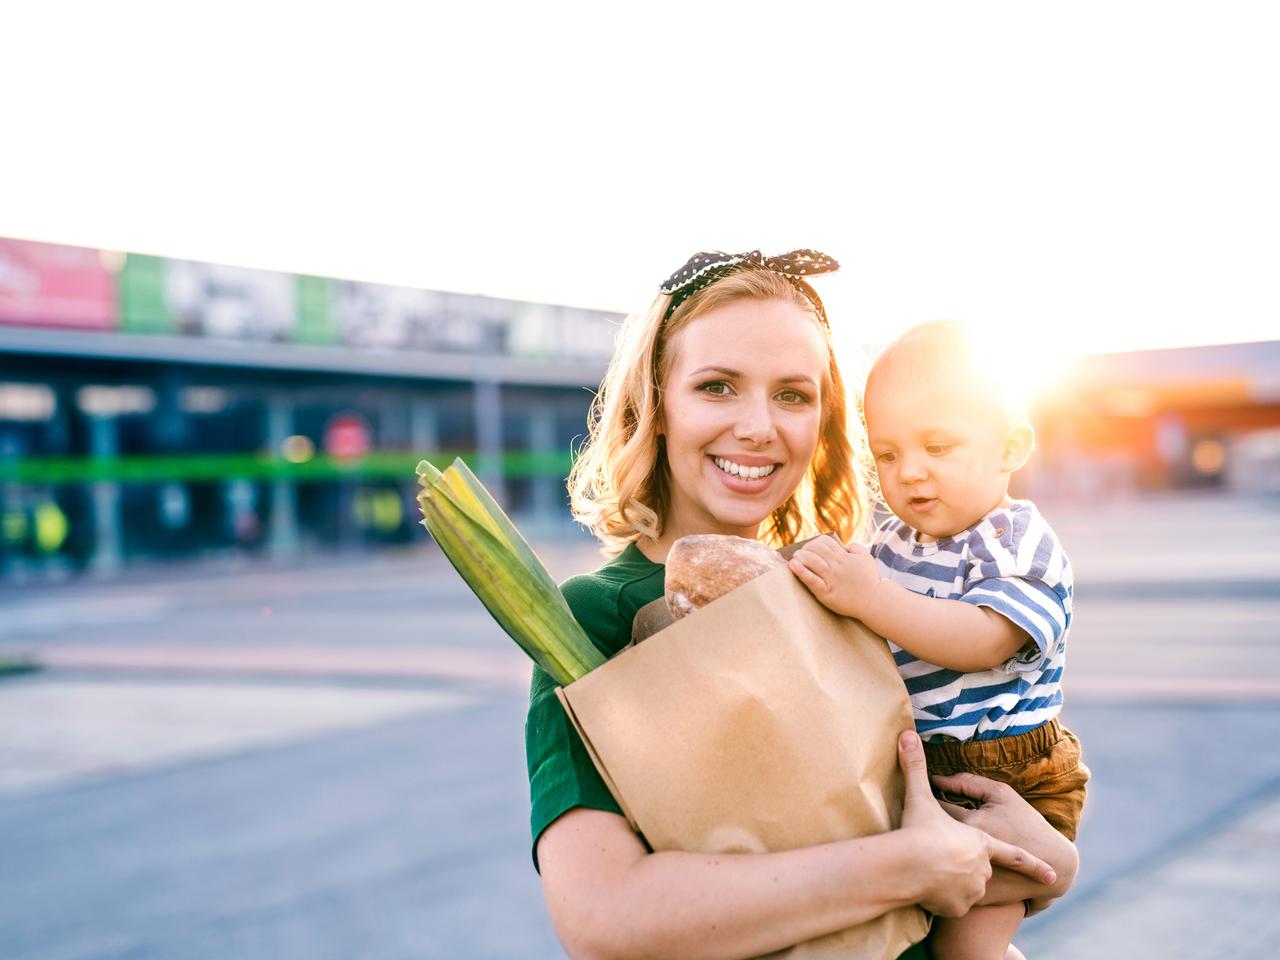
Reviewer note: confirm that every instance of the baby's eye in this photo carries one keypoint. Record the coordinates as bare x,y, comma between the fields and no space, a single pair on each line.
885,457
936,449
716,388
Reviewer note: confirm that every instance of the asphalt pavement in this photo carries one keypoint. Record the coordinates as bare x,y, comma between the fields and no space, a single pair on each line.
327,761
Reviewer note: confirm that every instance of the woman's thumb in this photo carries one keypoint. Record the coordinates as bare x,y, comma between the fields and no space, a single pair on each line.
911,759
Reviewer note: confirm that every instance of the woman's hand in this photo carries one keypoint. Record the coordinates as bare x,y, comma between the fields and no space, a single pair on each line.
1006,815
956,857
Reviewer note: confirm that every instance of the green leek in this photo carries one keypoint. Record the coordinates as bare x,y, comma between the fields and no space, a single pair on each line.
502,570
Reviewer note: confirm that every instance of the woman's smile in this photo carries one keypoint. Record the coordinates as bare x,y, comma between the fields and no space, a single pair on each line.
744,474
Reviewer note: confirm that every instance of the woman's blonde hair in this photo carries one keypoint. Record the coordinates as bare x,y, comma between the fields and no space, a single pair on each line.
619,486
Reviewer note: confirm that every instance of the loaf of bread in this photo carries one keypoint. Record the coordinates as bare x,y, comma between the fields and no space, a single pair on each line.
705,567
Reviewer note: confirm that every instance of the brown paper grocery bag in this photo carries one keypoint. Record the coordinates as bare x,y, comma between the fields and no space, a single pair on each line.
762,722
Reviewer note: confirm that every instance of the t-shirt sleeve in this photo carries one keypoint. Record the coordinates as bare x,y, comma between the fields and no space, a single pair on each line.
880,538
1019,570
561,774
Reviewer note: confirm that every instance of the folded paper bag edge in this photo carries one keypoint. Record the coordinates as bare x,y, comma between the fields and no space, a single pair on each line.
595,759
655,616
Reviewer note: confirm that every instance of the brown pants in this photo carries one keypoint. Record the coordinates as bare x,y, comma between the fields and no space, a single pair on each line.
1043,765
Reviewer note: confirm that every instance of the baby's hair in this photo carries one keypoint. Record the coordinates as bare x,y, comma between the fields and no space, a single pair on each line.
951,353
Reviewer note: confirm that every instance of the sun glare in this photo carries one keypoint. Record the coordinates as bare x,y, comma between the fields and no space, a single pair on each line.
1030,366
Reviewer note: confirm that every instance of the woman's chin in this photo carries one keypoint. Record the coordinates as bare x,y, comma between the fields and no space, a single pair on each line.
738,506
736,516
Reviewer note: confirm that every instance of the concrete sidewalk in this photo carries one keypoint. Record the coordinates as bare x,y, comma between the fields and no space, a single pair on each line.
1096,679
327,761
58,729
508,670
1217,897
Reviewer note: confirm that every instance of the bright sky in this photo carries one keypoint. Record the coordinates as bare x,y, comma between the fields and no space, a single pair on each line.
1093,175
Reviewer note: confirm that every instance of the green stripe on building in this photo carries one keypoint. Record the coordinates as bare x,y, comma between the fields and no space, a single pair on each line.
203,468
317,319
141,294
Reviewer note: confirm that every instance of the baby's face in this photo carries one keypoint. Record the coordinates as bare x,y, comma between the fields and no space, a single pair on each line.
941,457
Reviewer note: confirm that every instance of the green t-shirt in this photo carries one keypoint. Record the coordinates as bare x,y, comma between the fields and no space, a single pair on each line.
561,774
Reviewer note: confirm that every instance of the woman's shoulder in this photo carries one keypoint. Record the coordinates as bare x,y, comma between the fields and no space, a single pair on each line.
625,570
605,600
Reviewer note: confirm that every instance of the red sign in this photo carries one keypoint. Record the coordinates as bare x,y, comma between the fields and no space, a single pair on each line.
347,437
49,285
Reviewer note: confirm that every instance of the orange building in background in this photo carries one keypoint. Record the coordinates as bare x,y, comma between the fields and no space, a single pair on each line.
1157,419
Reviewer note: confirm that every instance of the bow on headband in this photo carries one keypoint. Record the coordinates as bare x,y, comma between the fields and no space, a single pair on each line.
708,266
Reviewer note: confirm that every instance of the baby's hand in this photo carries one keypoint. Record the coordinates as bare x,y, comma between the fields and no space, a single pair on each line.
842,578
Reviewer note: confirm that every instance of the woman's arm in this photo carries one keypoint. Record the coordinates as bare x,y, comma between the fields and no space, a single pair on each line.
1006,815
609,898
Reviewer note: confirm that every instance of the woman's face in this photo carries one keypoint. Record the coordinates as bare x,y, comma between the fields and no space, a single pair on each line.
741,413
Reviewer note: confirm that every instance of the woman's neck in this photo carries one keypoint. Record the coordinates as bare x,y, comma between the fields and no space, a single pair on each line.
653,550
656,549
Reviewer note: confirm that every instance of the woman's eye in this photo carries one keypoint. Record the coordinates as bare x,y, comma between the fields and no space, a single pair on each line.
716,388
792,396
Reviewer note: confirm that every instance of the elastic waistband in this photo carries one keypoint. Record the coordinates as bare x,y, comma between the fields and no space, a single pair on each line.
997,752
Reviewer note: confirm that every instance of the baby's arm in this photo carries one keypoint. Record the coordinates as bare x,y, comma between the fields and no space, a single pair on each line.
950,633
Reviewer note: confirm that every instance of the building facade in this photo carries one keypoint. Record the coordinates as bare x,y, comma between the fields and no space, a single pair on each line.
1191,417
153,408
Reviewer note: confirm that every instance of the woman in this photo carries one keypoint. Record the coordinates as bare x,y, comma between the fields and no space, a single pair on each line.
723,411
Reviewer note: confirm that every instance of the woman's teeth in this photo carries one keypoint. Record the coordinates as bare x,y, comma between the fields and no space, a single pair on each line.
747,473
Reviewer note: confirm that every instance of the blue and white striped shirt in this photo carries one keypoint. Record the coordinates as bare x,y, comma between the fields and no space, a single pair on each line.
1010,561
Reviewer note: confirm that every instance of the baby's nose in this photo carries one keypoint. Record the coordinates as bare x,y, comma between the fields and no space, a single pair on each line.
913,468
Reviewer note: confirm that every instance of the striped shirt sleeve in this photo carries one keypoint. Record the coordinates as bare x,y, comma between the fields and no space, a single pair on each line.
878,539
1018,569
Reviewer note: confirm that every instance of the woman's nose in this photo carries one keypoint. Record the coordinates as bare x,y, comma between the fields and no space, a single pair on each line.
755,422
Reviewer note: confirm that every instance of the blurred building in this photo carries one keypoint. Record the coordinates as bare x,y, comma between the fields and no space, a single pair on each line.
153,408
1190,417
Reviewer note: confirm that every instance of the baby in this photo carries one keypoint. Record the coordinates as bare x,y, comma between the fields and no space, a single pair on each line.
970,587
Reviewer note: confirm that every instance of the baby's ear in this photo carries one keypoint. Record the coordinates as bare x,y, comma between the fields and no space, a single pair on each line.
1018,444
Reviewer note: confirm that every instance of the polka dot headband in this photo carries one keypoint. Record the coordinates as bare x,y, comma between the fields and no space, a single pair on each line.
707,267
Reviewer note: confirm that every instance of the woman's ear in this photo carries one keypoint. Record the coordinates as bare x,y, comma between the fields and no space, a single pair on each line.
1018,444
